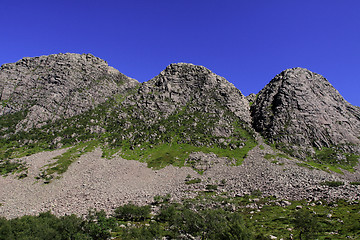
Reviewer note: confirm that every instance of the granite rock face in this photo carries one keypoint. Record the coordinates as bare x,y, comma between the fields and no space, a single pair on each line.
182,83
57,86
191,97
186,116
300,110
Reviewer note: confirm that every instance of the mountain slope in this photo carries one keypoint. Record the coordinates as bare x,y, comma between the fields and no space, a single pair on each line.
185,107
75,156
304,115
47,88
184,110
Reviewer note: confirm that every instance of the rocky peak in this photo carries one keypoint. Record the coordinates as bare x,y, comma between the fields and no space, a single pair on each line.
181,83
57,86
300,110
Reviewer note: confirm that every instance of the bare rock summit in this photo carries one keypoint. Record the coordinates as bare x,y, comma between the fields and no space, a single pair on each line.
48,88
182,83
301,112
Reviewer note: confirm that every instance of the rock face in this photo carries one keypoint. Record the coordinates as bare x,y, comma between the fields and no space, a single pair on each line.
57,86
186,116
182,83
186,108
299,110
187,99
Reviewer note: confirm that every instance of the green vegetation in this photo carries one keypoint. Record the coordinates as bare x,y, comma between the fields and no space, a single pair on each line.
131,132
323,167
193,181
208,216
63,161
333,183
303,164
327,159
131,212
158,199
211,187
7,167
277,155
307,224
8,122
337,158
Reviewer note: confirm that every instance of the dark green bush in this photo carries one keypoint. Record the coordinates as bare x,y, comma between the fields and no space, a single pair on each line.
192,181
43,227
131,212
211,187
332,183
158,199
7,167
306,223
97,225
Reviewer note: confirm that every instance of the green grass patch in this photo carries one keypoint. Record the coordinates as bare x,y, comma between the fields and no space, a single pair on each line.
160,156
303,164
7,167
211,187
330,157
66,159
325,167
269,156
193,181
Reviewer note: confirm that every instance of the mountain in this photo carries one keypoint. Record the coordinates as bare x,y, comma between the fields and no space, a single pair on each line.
43,89
303,114
187,108
69,125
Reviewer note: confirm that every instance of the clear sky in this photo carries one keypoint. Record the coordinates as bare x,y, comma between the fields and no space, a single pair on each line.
246,41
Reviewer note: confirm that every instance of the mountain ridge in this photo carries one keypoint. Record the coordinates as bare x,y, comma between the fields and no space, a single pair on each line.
57,86
185,120
283,111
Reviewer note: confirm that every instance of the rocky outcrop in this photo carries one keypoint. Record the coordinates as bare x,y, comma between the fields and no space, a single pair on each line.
182,83
299,110
185,116
57,86
190,97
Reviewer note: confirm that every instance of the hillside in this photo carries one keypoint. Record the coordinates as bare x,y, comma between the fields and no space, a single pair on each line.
304,115
70,124
40,90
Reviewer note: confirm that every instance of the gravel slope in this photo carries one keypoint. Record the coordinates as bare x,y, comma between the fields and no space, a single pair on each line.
95,182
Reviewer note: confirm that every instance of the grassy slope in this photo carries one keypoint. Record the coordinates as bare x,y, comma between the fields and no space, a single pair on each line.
185,131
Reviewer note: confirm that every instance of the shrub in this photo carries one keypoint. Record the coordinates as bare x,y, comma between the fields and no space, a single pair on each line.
256,193
162,199
192,181
42,227
97,225
332,183
131,212
306,223
211,187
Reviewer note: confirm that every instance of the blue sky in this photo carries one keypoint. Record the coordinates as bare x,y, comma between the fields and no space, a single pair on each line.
247,42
